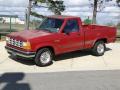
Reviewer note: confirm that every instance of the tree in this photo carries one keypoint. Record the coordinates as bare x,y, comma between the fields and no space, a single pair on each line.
1,19
55,6
118,3
97,5
118,25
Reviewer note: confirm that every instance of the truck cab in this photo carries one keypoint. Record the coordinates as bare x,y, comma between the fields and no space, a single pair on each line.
57,35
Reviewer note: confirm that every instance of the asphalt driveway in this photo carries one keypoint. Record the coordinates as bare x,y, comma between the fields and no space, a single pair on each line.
77,80
76,61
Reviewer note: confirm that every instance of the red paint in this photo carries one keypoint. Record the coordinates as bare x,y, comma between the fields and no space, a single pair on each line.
61,42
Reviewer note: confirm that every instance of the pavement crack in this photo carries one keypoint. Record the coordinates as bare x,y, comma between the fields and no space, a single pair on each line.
71,63
104,61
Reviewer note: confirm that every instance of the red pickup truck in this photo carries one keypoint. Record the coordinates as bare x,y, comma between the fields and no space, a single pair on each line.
57,35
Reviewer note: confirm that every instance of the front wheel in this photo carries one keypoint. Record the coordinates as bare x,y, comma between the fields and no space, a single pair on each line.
99,48
44,57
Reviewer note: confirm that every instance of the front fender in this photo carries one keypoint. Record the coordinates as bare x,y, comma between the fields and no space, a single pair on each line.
44,44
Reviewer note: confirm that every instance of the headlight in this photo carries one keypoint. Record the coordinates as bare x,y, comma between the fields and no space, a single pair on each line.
7,39
26,45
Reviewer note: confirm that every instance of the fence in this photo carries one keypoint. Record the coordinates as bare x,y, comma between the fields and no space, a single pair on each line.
12,23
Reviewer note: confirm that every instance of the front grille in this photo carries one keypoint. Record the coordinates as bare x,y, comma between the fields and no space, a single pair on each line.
15,42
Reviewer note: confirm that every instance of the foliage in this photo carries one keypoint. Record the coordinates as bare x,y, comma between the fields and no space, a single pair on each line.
118,26
36,15
55,6
99,3
118,3
1,19
41,1
97,6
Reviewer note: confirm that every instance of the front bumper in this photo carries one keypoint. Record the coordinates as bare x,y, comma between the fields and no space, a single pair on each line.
20,53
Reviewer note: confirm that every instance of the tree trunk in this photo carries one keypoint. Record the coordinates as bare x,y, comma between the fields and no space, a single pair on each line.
57,13
95,12
28,14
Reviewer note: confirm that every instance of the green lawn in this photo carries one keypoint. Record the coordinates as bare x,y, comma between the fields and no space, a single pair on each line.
14,27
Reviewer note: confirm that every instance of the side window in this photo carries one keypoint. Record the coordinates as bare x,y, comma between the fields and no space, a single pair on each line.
71,26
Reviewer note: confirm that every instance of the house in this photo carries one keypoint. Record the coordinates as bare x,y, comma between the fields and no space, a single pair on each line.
14,19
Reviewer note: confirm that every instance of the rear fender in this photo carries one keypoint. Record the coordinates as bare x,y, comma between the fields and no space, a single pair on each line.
100,39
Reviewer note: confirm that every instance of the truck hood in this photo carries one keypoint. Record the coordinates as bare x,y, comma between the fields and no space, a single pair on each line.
29,34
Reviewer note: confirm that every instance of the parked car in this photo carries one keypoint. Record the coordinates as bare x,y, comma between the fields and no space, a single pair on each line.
57,35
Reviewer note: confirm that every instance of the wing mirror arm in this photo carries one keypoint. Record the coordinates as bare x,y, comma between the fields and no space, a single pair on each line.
67,33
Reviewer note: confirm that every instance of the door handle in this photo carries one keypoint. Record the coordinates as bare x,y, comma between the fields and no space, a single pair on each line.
57,41
78,34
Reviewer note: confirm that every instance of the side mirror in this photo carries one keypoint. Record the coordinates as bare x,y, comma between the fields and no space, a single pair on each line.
66,32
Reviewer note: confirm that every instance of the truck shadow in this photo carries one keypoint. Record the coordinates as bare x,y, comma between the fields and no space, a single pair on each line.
61,57
72,55
29,62
76,54
9,81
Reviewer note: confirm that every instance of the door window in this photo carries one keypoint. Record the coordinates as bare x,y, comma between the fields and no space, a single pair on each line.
71,26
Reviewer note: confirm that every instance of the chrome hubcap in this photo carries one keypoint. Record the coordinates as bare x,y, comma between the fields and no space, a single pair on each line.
45,57
100,48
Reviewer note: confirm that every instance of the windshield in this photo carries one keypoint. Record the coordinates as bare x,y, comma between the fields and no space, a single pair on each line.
51,24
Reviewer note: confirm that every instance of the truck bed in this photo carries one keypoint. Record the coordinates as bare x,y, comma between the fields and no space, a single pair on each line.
94,32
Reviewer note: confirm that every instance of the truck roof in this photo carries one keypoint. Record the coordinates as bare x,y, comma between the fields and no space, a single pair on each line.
63,16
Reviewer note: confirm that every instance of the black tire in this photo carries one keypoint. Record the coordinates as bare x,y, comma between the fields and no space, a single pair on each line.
95,50
39,61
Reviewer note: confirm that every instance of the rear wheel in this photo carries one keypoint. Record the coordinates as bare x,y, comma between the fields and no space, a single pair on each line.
99,48
44,57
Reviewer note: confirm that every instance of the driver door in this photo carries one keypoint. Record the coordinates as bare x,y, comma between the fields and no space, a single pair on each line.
71,39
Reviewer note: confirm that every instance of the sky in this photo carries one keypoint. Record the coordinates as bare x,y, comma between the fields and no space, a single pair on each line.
80,8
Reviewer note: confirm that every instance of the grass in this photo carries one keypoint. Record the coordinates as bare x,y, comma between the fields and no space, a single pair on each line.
14,27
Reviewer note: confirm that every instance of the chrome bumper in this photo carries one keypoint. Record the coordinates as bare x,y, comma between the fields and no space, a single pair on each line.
20,53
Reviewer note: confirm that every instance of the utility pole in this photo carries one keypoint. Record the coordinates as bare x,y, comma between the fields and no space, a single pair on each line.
28,14
10,23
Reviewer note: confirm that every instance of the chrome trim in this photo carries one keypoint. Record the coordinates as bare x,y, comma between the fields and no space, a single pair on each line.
19,50
20,53
15,42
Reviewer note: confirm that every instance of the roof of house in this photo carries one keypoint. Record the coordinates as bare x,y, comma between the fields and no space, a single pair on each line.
13,16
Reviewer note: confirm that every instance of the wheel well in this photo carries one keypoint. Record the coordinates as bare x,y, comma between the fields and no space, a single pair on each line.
103,39
49,47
